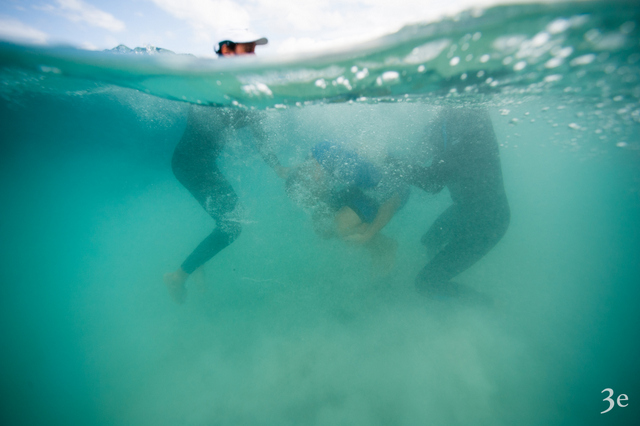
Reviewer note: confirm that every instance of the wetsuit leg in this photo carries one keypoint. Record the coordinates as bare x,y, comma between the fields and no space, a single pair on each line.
473,236
217,197
441,231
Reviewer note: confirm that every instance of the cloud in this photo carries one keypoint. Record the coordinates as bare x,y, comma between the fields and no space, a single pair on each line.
12,29
301,26
326,24
308,25
79,11
89,46
207,17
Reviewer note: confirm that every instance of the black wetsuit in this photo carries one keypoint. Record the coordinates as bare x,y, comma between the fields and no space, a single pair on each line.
466,160
194,165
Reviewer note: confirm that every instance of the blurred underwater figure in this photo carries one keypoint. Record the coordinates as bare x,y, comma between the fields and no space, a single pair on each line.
194,165
350,198
465,159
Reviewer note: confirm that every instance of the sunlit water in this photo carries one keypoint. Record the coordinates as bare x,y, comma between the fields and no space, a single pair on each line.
292,329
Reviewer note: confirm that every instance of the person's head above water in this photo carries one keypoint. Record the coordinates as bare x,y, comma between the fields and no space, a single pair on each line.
238,42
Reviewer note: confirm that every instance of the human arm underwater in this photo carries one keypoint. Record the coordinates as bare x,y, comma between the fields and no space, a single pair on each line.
386,211
260,141
430,179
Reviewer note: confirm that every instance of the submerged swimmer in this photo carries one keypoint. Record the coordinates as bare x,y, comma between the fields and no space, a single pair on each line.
466,160
349,198
194,165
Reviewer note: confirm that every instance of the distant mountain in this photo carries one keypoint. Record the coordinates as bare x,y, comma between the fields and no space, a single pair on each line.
147,50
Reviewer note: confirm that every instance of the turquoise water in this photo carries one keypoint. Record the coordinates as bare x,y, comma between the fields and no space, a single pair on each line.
291,329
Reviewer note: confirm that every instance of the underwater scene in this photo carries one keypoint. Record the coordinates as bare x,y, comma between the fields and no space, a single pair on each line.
438,227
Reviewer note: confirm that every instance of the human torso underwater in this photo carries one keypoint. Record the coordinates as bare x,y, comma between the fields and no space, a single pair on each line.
467,154
209,128
350,172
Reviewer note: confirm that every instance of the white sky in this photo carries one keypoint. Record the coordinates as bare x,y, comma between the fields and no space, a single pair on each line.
193,26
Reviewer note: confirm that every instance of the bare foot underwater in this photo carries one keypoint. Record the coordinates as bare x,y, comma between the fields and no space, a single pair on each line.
175,282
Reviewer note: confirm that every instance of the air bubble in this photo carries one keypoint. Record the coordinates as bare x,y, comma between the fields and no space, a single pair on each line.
390,75
364,72
553,62
562,52
540,39
592,35
52,70
558,26
583,60
520,66
627,27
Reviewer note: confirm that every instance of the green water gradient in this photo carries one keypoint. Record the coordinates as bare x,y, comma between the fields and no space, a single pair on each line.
292,329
